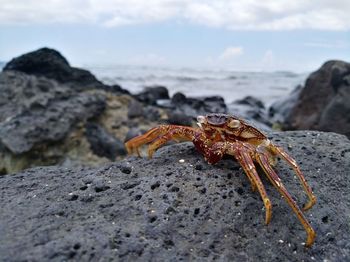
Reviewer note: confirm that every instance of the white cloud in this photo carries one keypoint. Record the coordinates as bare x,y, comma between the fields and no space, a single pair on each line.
227,57
229,14
231,53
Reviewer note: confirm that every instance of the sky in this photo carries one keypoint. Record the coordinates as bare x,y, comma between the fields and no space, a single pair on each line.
243,35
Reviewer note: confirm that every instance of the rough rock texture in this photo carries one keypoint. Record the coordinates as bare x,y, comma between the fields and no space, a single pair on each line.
41,111
51,64
323,103
166,209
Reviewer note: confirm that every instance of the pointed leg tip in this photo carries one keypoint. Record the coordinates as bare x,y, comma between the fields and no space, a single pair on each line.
310,204
309,243
306,208
268,211
310,238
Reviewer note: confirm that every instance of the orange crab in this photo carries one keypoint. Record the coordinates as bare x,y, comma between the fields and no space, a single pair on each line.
220,134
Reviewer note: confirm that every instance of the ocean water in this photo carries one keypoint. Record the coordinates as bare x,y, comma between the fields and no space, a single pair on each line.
232,85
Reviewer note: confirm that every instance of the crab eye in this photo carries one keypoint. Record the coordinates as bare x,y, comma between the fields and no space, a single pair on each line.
234,123
201,119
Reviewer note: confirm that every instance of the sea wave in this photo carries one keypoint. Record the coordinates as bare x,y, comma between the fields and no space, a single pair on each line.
231,85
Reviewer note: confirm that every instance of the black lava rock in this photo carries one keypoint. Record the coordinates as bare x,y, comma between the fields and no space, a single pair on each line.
151,94
151,113
178,98
103,143
165,209
215,104
281,109
323,102
253,110
179,118
251,101
51,64
38,111
135,109
117,89
194,106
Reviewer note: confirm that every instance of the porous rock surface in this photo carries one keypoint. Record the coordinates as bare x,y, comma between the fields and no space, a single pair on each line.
165,209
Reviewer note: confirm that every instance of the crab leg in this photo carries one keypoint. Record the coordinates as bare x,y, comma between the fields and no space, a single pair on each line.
276,181
241,153
133,144
312,199
158,136
247,163
177,133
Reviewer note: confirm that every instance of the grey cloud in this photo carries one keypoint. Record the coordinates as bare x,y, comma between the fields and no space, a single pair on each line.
229,14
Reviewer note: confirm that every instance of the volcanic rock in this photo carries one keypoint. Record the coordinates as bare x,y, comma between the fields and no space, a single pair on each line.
178,118
151,94
323,104
194,106
51,64
35,111
251,101
103,143
165,209
253,110
178,99
135,109
281,109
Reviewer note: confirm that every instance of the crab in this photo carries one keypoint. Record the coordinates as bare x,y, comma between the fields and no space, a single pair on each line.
222,134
